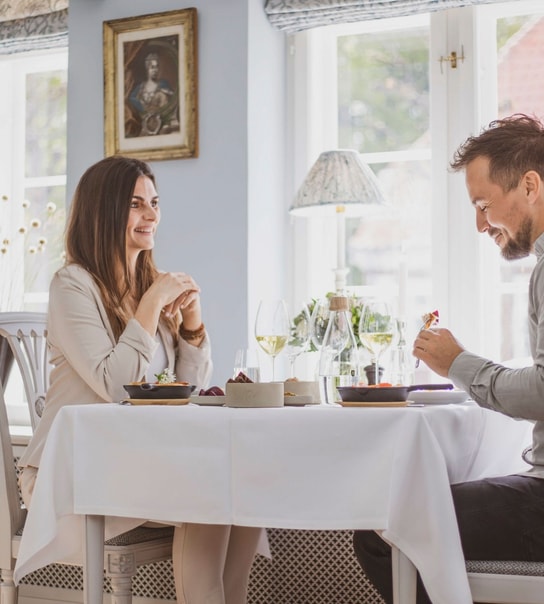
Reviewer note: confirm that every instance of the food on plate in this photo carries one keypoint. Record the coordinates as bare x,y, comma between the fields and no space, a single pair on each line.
167,376
213,391
241,378
430,319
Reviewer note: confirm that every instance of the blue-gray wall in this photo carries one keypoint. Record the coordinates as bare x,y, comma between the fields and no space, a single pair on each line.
224,214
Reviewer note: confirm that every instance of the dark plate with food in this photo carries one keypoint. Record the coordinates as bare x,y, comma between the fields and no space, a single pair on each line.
388,394
150,390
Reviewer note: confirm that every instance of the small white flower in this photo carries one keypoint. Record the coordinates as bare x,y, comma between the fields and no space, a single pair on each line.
51,207
5,198
32,249
26,203
22,230
36,223
166,377
6,241
42,240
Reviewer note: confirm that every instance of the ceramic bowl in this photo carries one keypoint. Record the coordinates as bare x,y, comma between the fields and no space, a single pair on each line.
262,394
303,388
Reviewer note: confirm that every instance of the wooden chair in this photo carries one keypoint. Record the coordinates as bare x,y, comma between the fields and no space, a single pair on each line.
26,335
506,582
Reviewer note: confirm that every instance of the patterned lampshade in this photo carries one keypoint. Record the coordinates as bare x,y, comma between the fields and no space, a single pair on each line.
338,183
337,178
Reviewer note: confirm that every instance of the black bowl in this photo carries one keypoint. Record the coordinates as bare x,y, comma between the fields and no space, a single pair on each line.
154,391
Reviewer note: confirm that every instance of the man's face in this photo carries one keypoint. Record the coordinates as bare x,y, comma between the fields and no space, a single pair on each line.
503,216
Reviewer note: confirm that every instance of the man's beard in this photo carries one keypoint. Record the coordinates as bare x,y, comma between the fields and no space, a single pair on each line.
521,245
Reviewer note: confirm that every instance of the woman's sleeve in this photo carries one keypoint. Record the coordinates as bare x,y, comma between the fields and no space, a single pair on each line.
79,328
194,363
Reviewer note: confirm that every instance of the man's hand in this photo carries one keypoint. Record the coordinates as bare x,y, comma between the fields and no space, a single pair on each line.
437,348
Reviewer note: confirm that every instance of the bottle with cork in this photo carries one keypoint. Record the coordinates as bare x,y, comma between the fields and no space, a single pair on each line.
339,359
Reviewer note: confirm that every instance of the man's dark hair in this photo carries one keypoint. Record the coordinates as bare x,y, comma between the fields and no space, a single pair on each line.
514,145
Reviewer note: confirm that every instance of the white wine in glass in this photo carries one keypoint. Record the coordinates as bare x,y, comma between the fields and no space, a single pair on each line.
272,328
376,330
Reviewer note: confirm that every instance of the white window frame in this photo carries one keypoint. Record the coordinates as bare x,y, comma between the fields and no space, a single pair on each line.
465,264
13,71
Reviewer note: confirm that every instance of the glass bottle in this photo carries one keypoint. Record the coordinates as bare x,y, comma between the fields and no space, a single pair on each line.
339,359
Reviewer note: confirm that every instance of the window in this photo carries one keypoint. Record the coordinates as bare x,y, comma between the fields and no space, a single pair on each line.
33,178
32,189
380,88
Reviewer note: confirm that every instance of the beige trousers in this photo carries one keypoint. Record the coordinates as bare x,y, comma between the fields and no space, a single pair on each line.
211,562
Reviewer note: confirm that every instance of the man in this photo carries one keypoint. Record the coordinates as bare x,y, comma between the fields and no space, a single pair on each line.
499,518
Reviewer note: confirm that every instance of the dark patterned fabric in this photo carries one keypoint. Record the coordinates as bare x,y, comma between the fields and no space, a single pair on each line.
506,567
297,15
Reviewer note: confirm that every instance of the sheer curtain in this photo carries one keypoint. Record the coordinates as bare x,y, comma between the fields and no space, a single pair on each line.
297,15
33,25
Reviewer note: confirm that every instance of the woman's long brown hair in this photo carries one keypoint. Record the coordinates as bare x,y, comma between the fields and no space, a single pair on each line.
96,236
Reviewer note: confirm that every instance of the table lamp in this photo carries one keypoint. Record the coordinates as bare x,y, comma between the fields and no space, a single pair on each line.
338,183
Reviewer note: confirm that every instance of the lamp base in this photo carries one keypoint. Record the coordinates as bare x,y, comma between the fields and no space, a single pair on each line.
340,275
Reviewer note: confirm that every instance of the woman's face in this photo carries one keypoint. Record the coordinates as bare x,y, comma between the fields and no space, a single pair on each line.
143,218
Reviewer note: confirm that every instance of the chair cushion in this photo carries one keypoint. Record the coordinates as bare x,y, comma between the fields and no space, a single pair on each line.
506,567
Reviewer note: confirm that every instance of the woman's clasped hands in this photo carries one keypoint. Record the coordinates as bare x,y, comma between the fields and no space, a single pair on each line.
180,292
169,293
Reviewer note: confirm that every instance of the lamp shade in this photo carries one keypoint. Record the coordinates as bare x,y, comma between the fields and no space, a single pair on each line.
337,178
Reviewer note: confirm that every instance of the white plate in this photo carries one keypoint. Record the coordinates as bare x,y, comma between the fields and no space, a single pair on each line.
299,400
211,401
438,397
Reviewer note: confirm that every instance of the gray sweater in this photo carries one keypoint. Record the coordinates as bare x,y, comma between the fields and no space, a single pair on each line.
518,393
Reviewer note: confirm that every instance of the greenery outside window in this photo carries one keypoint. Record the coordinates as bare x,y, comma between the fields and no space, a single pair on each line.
380,87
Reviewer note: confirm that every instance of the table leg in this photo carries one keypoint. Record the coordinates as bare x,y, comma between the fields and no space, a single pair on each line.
93,564
404,578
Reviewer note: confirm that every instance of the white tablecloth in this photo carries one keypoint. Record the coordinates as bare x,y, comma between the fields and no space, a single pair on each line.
304,468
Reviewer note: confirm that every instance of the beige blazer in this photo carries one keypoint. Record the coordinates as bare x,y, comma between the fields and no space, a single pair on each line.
89,366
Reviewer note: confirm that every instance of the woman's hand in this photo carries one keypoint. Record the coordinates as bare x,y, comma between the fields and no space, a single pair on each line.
437,348
169,293
187,300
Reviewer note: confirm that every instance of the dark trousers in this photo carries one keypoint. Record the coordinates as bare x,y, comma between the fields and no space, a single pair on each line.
499,519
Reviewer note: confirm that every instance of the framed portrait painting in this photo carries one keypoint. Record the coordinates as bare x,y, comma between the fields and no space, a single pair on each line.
150,86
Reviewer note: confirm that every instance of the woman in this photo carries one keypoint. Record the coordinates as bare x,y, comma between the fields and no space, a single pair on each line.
114,319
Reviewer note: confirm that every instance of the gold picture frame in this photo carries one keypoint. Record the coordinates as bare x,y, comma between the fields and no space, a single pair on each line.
150,86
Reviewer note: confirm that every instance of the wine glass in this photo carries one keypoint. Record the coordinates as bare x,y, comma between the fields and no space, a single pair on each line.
272,327
376,330
299,337
319,321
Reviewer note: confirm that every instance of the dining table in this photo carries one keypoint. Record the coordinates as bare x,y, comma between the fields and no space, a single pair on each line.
109,467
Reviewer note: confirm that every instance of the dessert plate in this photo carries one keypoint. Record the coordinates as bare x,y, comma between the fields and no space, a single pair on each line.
299,400
438,397
210,401
375,403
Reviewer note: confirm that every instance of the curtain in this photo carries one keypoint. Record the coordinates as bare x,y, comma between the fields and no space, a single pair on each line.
297,15
32,25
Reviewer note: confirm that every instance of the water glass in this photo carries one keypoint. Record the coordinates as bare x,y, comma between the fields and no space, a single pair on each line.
246,361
